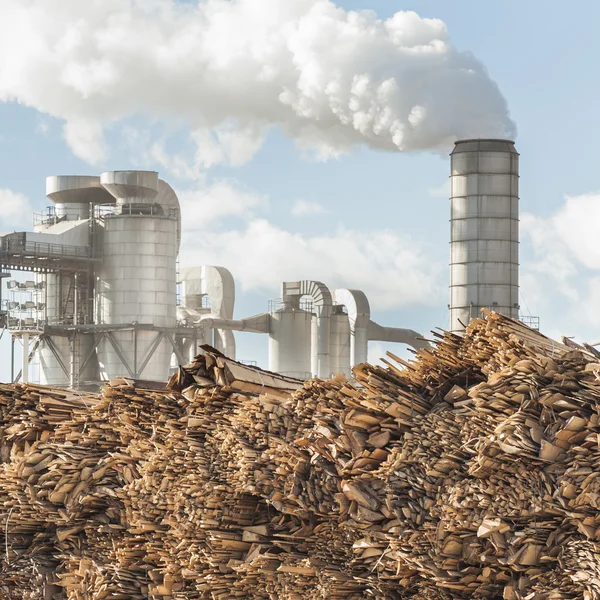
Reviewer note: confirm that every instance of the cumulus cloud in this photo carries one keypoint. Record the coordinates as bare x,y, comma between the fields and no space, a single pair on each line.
206,204
392,269
225,71
304,208
15,210
562,281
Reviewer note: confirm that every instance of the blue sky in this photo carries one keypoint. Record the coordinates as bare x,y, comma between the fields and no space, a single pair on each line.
543,59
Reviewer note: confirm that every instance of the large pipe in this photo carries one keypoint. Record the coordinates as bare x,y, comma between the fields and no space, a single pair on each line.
359,316
322,307
484,246
396,335
218,285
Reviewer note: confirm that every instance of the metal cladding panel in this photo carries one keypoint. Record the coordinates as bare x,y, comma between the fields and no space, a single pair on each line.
51,373
483,185
485,250
484,229
484,206
290,343
481,295
488,273
339,345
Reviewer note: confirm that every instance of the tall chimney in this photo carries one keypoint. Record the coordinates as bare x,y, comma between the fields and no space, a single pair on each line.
484,225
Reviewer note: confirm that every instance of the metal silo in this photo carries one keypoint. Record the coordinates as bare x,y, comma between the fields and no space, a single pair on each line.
137,280
484,221
290,339
339,345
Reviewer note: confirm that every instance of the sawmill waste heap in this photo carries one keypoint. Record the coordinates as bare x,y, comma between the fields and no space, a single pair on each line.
471,472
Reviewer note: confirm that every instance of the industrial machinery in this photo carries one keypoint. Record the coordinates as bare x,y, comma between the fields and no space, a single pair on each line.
103,298
311,334
103,301
106,299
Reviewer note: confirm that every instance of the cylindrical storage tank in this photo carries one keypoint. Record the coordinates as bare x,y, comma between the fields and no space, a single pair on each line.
339,343
484,225
137,284
289,343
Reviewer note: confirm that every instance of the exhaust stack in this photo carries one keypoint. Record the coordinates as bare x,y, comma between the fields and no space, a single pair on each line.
484,224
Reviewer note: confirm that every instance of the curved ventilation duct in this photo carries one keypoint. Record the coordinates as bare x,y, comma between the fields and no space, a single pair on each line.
218,285
359,316
322,307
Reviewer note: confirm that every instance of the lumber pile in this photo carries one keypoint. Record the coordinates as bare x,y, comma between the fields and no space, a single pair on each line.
472,471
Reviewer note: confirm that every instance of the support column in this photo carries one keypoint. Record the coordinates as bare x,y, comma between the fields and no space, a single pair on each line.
25,359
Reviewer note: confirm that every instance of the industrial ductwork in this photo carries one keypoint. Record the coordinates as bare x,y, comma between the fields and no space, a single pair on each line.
217,285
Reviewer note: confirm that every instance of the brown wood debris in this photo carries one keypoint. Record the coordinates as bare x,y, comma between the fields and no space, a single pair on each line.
472,471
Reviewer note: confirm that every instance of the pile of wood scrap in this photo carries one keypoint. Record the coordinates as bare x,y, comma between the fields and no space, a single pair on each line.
472,471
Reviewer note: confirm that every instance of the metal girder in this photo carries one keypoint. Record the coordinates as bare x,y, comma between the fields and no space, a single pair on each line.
157,340
91,353
178,353
31,355
120,354
56,355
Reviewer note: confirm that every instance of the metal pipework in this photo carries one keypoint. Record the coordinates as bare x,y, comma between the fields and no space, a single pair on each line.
359,316
322,307
484,224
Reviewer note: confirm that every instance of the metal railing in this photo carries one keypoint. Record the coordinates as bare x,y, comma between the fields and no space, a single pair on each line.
532,322
103,211
19,246
276,304
51,216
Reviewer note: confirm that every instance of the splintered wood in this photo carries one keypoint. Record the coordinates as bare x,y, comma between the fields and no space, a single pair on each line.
471,472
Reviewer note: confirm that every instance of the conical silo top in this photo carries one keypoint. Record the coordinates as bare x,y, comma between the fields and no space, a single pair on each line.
76,189
131,187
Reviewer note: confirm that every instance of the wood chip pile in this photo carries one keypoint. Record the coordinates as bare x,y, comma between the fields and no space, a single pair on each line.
471,472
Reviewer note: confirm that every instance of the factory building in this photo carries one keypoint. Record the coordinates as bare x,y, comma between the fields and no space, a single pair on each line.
106,298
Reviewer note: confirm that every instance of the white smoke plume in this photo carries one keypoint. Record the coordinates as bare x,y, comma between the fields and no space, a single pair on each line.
227,70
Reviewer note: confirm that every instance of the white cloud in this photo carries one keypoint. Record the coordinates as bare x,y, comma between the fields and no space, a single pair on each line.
85,137
15,211
226,71
392,269
562,283
205,205
304,208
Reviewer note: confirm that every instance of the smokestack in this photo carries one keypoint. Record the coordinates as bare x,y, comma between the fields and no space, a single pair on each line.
484,225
